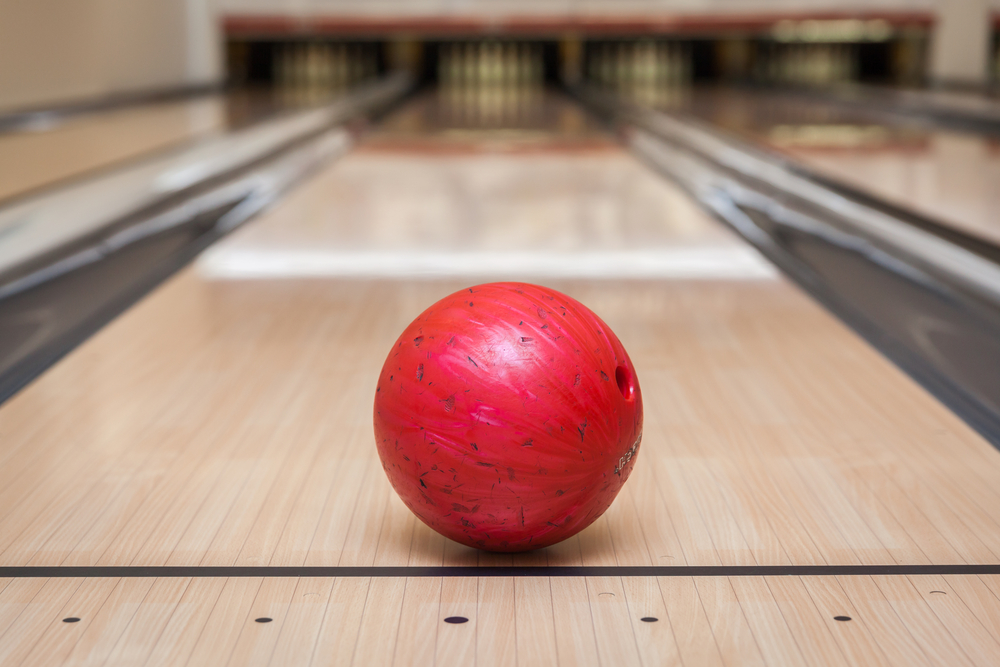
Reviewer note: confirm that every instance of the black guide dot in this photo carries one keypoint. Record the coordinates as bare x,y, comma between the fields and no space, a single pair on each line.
841,618
649,619
263,619
456,619
938,592
71,619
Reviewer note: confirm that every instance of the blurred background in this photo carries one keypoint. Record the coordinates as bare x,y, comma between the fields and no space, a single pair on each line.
54,51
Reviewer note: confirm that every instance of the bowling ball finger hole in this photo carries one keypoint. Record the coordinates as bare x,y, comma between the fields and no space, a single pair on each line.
626,383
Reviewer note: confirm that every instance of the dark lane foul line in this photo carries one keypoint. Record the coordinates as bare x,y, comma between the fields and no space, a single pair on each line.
556,571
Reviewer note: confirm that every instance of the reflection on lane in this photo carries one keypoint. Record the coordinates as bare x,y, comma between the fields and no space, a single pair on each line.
945,175
489,183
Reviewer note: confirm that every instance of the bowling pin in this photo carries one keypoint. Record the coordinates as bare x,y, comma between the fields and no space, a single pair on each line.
442,67
468,64
455,65
281,66
511,65
327,79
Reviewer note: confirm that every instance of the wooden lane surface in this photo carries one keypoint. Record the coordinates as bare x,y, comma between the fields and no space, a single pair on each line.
72,147
948,176
229,423
524,621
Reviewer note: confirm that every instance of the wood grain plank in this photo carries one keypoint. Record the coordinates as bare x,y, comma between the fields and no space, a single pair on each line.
616,641
185,623
328,542
958,616
418,623
924,626
380,623
33,616
14,599
691,627
254,643
625,532
692,533
107,626
654,638
342,622
456,642
733,636
656,523
535,623
858,644
891,633
301,628
272,520
810,631
299,529
770,630
575,634
149,621
228,620
496,623
143,533
59,638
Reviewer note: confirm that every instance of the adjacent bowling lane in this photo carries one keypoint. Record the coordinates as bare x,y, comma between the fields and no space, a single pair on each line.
946,175
50,148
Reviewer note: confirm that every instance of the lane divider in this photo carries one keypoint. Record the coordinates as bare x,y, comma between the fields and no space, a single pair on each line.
501,571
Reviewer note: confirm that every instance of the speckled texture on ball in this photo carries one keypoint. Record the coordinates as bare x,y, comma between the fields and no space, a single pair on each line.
508,416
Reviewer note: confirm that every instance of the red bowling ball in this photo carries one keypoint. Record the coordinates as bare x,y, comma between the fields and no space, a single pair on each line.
508,416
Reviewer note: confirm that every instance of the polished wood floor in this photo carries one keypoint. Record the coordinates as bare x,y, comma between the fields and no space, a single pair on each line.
651,621
227,422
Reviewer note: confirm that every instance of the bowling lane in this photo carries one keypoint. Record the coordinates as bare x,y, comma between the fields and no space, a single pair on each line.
487,186
226,419
49,148
946,175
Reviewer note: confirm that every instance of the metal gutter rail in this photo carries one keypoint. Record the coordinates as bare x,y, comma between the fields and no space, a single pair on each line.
73,259
931,306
